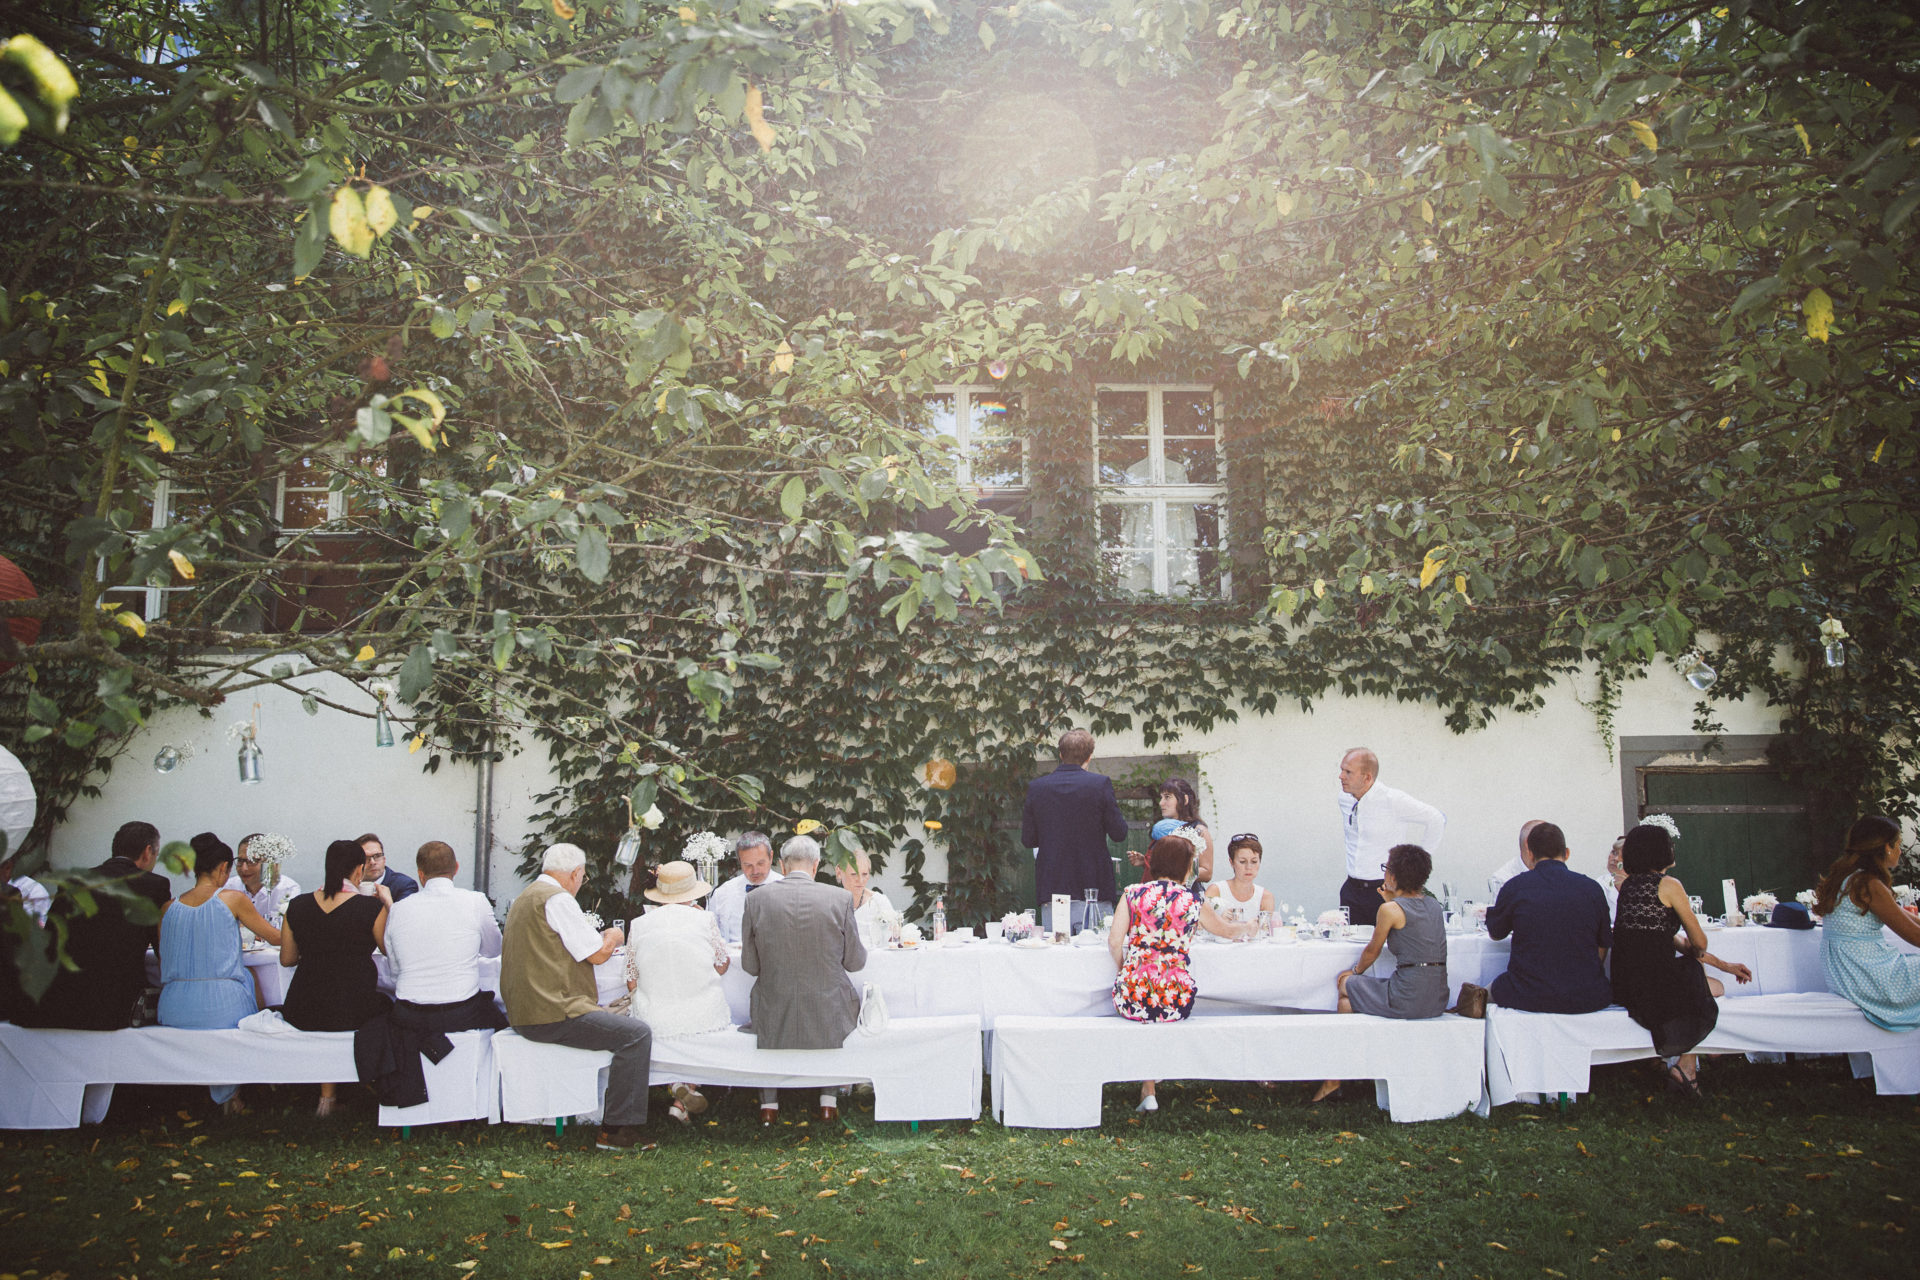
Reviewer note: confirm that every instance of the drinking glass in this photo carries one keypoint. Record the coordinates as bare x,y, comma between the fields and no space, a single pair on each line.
1346,916
1695,901
1263,925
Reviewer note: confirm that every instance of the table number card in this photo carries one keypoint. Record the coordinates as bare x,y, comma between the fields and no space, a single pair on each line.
1732,897
1062,917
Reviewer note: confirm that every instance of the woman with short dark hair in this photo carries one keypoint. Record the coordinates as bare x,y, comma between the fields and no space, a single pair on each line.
1856,899
1659,949
1152,930
331,934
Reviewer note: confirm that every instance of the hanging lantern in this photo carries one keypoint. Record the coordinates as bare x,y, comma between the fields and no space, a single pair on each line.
1699,674
382,726
18,803
1833,636
15,585
939,774
169,758
249,757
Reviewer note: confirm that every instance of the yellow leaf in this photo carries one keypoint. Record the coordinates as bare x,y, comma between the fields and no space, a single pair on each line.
1805,141
1644,131
181,564
1426,210
686,13
381,215
563,11
1725,1240
1366,584
175,307
1430,567
157,433
1633,188
366,654
931,825
1818,309
805,827
419,741
822,1195
757,118
1879,448
782,358
431,399
1614,435
1284,203
1725,422
556,1244
421,212
1319,588
1460,584
132,622
396,1252
99,377
347,220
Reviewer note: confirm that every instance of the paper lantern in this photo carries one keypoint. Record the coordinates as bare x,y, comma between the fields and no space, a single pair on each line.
18,804
15,585
939,774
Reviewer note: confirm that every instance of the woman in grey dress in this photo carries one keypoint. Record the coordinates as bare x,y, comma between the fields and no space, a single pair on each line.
1413,926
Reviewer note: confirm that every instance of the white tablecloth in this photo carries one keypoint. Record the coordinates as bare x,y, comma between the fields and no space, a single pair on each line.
1546,1053
921,1069
994,979
1048,1072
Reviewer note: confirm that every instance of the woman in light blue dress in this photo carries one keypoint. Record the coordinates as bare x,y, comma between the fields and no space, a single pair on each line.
1856,899
204,985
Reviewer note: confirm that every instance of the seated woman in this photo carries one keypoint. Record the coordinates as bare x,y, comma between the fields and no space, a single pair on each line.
1241,898
1856,899
871,910
1152,930
1413,926
1658,953
203,983
331,934
674,961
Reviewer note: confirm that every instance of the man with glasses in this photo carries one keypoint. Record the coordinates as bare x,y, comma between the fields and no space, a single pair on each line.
249,878
399,883
1374,818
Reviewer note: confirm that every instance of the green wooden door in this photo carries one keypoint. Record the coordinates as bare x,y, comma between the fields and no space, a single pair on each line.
1746,825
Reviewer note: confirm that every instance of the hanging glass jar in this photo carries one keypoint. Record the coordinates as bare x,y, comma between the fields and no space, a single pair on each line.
382,726
1699,674
1833,637
249,760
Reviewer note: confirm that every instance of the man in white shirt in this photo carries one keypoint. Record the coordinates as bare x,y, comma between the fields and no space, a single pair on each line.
1374,818
34,897
1519,864
249,877
436,939
729,902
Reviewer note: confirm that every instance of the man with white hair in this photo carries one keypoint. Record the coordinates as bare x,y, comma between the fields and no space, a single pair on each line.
547,954
1374,818
800,940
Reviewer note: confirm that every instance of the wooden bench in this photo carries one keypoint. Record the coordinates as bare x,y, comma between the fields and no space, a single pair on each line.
1548,1054
920,1069
1048,1072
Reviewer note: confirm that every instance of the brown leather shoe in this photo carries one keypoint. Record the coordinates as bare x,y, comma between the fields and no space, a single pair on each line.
769,1117
620,1138
829,1115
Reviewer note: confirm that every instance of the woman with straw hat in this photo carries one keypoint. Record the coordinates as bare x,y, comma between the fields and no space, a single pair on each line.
674,961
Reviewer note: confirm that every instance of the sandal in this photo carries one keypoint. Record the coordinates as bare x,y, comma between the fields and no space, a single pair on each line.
685,1095
678,1112
1682,1085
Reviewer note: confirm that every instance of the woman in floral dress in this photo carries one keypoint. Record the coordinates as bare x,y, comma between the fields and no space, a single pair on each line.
1152,930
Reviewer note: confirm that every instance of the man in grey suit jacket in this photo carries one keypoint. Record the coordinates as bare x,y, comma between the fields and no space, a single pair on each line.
799,941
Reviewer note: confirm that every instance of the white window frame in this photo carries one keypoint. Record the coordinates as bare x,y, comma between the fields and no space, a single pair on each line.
1159,494
153,599
336,506
963,394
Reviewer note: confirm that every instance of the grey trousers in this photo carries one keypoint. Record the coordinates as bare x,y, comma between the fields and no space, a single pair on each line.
631,1042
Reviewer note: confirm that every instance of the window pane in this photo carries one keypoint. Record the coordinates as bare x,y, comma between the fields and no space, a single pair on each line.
998,459
1123,460
1191,461
1122,413
1126,544
188,507
1187,413
304,509
1193,549
937,418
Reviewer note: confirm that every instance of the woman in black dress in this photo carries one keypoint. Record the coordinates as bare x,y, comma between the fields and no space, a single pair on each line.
1659,951
331,935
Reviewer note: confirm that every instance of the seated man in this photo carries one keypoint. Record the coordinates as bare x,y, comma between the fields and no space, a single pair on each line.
1518,865
110,946
547,954
399,883
1558,919
249,877
799,939
729,901
436,940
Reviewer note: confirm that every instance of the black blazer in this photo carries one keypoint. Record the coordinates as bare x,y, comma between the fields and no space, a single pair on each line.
111,951
1070,815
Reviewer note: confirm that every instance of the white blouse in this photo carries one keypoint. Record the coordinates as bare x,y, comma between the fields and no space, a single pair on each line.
671,954
1228,907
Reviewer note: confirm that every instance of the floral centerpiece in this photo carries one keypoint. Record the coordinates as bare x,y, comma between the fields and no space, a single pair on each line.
269,850
704,850
1806,898
1759,907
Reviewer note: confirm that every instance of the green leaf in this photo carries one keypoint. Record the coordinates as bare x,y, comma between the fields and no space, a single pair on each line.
592,555
1901,209
793,498
310,242
577,84
1756,293
416,673
444,323
643,794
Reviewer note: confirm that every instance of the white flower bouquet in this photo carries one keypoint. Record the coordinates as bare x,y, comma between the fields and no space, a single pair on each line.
1906,895
1759,902
1664,822
703,845
1332,918
270,849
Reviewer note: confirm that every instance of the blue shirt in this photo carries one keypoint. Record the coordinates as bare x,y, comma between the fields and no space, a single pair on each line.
1558,919
399,884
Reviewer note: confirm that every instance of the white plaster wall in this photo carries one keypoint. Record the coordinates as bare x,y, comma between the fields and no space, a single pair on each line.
1274,775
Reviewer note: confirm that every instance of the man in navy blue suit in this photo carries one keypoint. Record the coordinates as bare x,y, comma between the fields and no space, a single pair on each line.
1069,817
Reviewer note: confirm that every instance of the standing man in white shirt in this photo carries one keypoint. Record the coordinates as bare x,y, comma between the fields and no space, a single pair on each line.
249,877
436,940
1374,818
729,902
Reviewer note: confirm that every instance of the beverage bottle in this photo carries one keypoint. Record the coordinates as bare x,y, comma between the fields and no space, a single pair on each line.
939,919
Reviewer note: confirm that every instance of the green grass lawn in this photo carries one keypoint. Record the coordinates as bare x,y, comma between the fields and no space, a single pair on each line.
1786,1170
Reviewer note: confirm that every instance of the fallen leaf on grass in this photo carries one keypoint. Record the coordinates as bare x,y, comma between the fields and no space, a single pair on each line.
822,1195
1666,1244
601,1262
1495,1244
556,1244
1061,1245
1725,1240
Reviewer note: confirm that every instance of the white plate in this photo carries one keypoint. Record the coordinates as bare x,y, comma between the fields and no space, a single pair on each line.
1033,944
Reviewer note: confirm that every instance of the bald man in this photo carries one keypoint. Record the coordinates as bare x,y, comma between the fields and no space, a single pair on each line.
1374,818
1519,864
